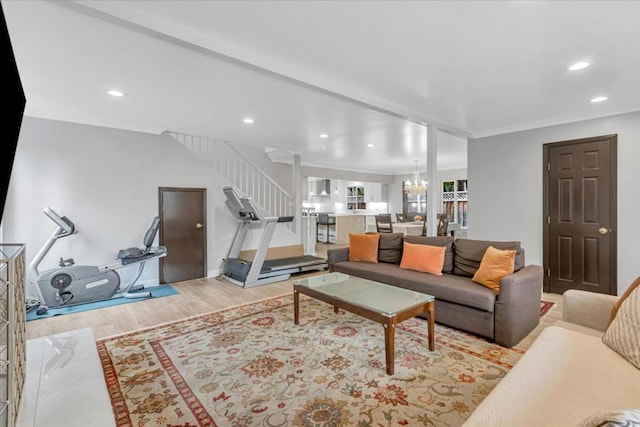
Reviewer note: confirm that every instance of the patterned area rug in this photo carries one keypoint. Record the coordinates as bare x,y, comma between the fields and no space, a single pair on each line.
250,365
545,307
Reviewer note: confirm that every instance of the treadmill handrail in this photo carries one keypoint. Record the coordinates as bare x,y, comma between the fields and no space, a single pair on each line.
261,214
233,201
243,208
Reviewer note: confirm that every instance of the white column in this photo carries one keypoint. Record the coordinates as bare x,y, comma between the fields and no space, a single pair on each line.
433,186
297,195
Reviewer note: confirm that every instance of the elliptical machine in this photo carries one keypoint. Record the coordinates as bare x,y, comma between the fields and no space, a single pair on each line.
70,284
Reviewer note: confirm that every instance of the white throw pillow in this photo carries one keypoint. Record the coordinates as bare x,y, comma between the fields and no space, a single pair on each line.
623,334
620,418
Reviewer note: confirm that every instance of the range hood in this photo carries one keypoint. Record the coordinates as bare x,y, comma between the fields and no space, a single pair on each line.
321,187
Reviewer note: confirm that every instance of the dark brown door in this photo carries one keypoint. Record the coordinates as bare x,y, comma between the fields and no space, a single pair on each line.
580,215
183,214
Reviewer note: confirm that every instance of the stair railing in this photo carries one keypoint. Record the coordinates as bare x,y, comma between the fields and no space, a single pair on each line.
240,172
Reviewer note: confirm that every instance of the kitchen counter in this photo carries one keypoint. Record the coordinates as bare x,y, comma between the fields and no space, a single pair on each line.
353,214
348,223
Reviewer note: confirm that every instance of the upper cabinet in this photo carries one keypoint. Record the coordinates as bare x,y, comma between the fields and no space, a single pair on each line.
359,196
373,191
356,197
454,201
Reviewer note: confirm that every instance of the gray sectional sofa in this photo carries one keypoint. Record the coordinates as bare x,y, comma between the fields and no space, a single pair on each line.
505,317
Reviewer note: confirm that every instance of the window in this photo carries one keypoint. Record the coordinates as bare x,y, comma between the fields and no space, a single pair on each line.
413,204
454,201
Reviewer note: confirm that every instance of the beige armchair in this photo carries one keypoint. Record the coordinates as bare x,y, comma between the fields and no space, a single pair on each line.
567,376
588,309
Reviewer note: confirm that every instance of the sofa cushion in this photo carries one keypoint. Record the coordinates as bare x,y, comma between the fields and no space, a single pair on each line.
622,334
578,328
495,264
425,258
468,254
448,287
447,242
363,247
390,248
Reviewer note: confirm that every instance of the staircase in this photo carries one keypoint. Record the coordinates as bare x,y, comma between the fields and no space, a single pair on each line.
241,173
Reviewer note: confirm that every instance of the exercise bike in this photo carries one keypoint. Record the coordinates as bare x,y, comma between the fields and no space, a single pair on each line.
70,284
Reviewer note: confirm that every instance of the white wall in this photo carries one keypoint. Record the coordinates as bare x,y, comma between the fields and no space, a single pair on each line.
395,193
452,152
106,181
450,175
505,187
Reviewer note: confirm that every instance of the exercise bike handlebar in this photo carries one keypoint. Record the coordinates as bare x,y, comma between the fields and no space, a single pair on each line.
66,227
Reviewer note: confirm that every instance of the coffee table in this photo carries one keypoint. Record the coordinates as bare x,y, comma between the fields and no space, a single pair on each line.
385,304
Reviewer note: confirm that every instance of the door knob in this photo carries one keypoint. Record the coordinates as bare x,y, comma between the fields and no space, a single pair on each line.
603,230
198,225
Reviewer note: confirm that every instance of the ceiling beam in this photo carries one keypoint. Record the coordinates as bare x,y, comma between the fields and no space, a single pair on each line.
118,13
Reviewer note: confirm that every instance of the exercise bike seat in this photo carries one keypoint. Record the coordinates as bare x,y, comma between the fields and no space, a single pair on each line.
131,255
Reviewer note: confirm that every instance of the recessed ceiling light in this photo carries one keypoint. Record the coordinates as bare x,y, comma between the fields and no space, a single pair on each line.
247,120
324,135
114,92
599,99
579,66
370,145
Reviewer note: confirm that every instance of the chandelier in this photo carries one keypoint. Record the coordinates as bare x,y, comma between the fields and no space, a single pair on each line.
416,186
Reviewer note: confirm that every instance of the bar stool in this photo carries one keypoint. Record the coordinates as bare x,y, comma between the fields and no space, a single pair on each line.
327,221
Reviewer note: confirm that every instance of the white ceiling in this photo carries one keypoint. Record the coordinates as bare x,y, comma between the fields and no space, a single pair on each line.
362,72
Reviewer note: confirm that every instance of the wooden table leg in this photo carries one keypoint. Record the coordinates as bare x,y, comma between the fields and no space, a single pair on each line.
431,314
389,345
296,308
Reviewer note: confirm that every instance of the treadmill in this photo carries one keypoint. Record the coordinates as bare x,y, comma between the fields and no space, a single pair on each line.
247,274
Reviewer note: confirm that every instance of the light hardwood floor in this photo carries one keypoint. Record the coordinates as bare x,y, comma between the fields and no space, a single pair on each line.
197,297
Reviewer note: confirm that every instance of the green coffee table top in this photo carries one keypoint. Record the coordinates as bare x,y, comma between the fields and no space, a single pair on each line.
379,297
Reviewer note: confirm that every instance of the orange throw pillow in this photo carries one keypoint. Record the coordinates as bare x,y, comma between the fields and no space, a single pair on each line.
363,247
425,258
495,265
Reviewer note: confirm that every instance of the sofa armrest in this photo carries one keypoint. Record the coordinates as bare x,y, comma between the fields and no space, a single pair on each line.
517,309
337,255
588,309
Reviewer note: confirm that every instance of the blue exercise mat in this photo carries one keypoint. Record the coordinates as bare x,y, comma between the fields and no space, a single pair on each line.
156,292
